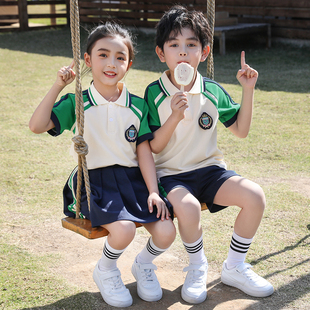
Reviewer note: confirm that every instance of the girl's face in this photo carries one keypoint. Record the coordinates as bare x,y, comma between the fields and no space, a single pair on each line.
109,60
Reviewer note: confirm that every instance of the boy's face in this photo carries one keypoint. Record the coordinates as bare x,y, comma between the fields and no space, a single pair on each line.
183,47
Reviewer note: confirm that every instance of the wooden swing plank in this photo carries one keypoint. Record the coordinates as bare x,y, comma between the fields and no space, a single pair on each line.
84,228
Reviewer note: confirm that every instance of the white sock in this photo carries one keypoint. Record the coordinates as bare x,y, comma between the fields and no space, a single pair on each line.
109,257
149,252
238,250
196,252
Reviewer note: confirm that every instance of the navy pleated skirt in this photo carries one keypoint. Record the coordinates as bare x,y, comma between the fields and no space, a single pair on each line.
117,193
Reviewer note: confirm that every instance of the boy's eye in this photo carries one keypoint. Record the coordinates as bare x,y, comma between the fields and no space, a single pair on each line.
121,58
103,55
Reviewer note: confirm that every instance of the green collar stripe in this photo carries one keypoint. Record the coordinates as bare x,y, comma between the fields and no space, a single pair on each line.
163,87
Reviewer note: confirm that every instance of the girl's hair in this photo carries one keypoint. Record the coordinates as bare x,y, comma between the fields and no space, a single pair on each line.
109,29
177,18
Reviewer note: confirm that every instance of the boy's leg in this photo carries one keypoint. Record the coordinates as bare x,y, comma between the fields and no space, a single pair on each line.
163,234
188,211
237,191
106,274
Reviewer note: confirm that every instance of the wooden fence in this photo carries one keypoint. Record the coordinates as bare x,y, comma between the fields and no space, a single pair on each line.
288,18
14,15
132,13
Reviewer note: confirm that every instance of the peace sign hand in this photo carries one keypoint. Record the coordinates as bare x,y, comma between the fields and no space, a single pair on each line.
246,76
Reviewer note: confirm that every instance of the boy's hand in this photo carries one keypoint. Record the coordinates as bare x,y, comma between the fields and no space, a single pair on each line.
162,210
179,104
246,76
65,75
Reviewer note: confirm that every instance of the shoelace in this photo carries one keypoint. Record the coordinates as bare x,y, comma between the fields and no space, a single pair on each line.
148,275
251,275
116,282
195,276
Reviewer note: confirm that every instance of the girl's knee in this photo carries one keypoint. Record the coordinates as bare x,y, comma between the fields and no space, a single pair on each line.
163,232
123,229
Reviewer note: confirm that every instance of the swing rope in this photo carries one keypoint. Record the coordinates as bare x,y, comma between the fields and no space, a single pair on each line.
80,145
211,20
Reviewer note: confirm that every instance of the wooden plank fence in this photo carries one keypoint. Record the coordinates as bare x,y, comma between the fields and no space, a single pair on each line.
16,12
288,18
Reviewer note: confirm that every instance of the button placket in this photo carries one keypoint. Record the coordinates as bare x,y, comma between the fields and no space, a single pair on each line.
111,118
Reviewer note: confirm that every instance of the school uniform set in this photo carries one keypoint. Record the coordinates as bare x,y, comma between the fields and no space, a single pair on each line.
192,159
112,130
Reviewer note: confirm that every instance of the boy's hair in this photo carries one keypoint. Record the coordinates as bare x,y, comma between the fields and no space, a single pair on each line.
110,29
177,18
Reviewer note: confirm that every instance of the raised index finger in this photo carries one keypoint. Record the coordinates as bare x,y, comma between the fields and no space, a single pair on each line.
72,64
243,59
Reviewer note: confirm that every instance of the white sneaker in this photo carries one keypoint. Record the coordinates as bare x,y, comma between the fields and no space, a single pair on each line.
246,280
194,289
112,288
148,287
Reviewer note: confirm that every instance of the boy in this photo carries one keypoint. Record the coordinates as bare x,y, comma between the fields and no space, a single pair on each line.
190,167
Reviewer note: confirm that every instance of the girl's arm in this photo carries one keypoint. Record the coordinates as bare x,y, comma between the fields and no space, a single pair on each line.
41,118
163,134
247,77
147,167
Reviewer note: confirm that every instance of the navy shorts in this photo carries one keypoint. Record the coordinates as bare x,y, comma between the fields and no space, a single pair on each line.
202,183
117,193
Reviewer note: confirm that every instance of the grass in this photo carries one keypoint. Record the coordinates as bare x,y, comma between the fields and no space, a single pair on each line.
275,154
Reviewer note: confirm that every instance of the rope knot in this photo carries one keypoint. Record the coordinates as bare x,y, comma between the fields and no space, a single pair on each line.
80,146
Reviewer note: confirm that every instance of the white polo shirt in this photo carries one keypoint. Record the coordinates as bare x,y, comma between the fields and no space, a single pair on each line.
111,129
193,144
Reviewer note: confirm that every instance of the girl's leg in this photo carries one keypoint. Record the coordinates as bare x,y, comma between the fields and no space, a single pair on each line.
249,196
188,211
106,274
121,233
163,234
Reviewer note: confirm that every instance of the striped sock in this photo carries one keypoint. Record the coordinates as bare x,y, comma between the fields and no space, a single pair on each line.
149,252
195,252
237,252
109,257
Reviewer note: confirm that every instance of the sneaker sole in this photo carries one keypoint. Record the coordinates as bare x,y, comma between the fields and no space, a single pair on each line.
192,300
245,290
110,302
141,294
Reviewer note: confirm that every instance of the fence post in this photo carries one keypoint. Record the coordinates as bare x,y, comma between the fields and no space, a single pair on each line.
23,15
68,12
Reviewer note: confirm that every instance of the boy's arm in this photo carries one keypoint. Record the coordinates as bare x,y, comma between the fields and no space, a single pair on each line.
163,134
41,119
148,170
247,77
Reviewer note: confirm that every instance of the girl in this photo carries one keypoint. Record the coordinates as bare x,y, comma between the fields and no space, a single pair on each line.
117,133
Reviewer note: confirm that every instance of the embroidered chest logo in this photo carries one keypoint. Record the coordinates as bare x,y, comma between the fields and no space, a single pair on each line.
131,134
205,121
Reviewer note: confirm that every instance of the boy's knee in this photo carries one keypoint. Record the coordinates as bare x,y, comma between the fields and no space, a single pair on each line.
259,197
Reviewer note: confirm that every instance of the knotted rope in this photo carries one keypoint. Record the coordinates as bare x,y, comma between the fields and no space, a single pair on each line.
211,19
80,145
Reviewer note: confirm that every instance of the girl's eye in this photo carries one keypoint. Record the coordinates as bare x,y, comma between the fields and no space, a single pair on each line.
103,55
191,44
174,45
121,58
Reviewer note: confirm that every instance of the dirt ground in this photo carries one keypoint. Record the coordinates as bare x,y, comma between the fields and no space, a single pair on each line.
82,254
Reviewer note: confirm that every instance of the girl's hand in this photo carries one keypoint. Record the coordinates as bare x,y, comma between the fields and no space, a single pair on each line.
179,104
65,75
162,210
246,76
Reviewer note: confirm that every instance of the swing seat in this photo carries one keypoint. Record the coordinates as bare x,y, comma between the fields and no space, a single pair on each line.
84,228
